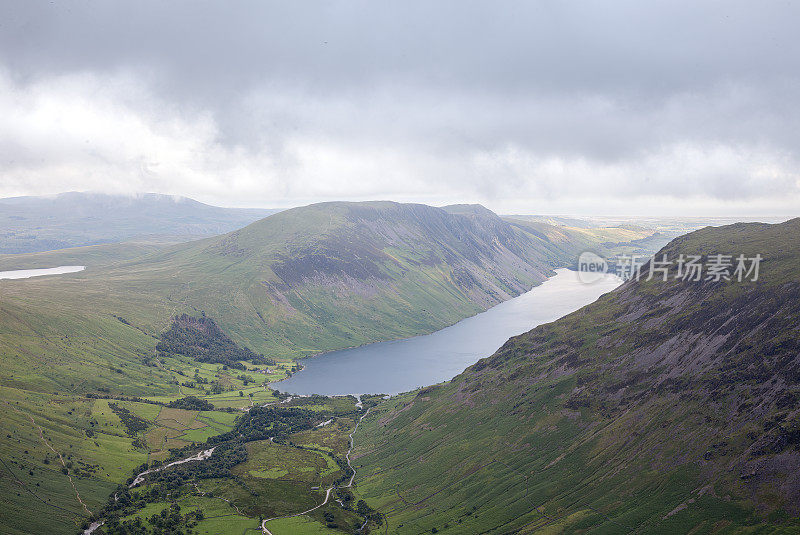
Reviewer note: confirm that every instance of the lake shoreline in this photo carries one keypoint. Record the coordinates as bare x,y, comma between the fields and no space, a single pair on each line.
365,344
405,364
20,274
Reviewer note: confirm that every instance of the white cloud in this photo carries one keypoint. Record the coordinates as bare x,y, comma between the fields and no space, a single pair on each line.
105,134
113,133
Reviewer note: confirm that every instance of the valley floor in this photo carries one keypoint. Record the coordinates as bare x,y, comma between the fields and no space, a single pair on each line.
64,455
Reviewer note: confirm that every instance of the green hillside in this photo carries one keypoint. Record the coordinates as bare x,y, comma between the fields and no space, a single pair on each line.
91,256
664,407
604,241
301,281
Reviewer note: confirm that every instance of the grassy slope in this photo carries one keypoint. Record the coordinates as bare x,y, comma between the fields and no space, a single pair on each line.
339,274
605,241
301,281
36,496
662,408
91,256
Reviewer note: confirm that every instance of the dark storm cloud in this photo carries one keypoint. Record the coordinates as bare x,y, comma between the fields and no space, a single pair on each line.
653,48
495,100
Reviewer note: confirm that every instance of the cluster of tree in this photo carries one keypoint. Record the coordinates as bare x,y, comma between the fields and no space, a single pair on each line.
92,395
280,395
244,379
371,400
260,423
203,340
263,361
313,399
167,483
196,382
122,503
345,496
369,514
191,403
198,379
330,520
229,450
169,521
133,424
225,457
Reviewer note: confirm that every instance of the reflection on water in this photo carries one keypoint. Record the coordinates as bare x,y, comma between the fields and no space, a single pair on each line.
402,365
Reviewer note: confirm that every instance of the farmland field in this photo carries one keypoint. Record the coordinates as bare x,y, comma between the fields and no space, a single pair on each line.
297,452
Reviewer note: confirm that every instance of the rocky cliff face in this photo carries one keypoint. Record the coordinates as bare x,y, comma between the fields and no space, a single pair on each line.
341,268
329,276
664,406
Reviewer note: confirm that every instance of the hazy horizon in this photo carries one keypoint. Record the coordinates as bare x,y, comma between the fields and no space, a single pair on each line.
750,217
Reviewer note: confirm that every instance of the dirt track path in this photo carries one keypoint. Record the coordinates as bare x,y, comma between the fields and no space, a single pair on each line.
60,458
266,531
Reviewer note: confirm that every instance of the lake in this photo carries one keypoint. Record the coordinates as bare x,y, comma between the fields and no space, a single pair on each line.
28,273
403,365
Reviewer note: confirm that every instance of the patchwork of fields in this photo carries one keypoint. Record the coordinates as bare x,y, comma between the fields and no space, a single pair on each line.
280,477
92,398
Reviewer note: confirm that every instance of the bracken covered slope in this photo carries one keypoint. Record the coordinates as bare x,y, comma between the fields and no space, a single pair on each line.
664,407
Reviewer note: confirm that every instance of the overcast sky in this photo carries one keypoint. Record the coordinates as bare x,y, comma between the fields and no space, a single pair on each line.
530,107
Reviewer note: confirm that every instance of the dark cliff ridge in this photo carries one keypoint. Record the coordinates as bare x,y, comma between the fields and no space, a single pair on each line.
664,405
488,258
732,347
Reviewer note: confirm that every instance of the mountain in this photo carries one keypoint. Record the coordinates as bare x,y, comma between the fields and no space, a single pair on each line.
664,407
302,281
305,280
608,242
75,219
204,319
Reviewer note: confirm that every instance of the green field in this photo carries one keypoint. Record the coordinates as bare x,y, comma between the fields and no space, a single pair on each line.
299,525
306,280
220,516
276,461
283,475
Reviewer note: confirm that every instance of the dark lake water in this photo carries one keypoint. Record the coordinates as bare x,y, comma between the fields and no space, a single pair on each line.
403,365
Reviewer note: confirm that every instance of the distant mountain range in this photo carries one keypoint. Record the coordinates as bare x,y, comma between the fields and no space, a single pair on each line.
301,281
674,224
295,283
32,224
664,407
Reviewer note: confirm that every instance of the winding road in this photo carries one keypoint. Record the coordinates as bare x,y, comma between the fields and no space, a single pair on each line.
202,456
266,531
207,453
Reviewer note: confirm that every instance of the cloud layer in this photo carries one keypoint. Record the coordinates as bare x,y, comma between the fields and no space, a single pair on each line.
568,107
